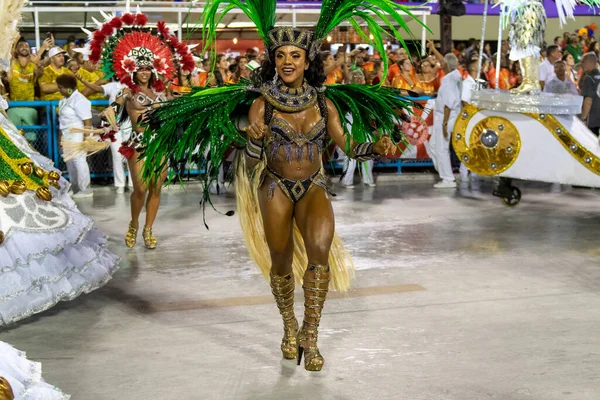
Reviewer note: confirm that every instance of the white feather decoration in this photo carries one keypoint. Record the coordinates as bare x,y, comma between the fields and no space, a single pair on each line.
565,9
9,18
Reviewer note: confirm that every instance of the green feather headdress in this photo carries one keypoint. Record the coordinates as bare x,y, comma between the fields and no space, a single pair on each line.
373,13
204,121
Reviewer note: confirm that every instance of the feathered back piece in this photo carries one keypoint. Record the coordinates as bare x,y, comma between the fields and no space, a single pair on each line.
373,13
260,12
9,18
333,13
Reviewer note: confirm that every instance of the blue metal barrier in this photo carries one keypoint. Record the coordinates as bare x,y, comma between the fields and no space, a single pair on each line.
51,146
46,147
48,129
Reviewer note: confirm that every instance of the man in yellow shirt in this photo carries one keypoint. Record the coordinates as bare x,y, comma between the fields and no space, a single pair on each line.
88,72
25,69
48,86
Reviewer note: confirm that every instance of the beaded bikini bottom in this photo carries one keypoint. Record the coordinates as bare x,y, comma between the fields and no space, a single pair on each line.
294,190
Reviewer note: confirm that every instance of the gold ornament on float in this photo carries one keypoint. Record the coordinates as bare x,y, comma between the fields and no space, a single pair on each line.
44,193
39,172
53,176
575,149
4,188
494,143
6,392
18,187
27,168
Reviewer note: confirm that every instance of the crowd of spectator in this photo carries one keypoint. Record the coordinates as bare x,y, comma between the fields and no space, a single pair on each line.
569,65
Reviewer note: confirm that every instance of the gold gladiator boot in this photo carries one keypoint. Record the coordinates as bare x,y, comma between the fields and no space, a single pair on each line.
131,236
283,290
531,82
149,240
316,283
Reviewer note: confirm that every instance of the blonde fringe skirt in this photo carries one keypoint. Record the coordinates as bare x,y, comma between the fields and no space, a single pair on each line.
340,262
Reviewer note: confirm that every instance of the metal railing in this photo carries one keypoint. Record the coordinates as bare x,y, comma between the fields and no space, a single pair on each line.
43,137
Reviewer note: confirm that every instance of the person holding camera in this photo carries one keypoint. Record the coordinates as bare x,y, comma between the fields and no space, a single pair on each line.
25,69
47,82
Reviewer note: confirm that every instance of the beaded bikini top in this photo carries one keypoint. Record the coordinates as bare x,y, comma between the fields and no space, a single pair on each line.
283,135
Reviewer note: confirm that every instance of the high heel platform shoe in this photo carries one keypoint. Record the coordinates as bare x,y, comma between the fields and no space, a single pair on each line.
316,283
131,236
149,240
282,288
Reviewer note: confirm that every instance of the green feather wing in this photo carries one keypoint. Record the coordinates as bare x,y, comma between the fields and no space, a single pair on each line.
260,12
203,121
374,13
367,105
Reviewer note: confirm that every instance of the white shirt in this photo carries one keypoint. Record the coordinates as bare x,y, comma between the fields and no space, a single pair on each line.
72,111
449,95
467,86
112,90
560,87
546,71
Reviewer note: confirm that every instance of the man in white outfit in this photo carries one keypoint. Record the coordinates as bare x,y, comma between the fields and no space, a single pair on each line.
75,111
469,84
366,168
112,90
546,68
447,108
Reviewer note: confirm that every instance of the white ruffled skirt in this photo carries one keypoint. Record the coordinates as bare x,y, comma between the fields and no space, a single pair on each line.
25,377
51,252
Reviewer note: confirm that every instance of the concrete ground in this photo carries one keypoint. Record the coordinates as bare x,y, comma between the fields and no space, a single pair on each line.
454,299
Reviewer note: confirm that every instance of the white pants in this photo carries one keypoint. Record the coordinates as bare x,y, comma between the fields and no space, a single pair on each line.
464,178
439,148
79,173
366,170
118,164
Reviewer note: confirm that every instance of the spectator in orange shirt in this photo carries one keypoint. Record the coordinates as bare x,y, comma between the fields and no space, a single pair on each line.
515,76
202,75
377,74
221,74
394,69
431,76
332,71
407,80
241,71
504,78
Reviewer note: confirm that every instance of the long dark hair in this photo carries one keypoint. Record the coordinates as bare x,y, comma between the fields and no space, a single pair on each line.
238,71
314,75
219,78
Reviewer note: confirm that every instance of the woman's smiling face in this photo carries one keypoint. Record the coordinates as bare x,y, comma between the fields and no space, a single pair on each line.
290,64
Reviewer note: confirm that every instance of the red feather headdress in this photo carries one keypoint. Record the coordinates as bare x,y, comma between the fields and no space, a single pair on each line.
123,44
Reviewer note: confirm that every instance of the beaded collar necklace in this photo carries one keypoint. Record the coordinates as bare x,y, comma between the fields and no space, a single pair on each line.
288,99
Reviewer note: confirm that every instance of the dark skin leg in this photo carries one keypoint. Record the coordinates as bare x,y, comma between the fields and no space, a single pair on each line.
314,217
138,196
277,213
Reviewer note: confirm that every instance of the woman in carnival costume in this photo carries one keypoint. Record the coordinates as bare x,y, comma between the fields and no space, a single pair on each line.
284,207
143,61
